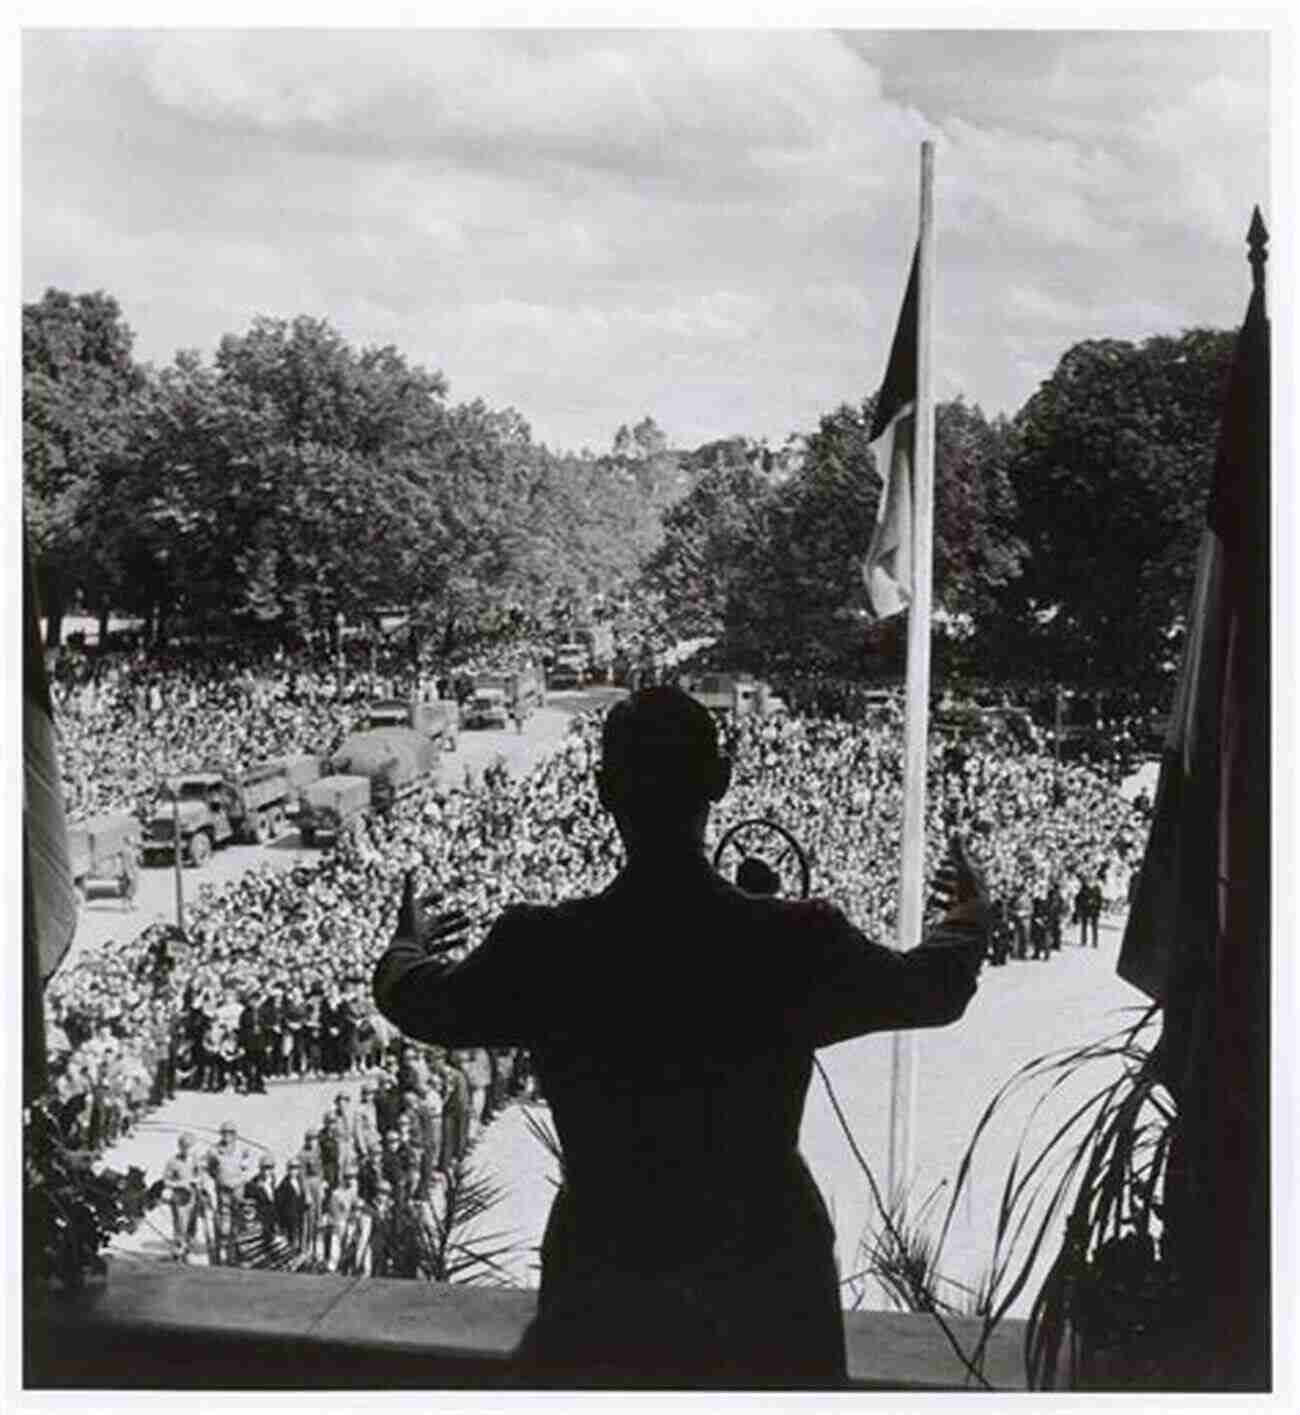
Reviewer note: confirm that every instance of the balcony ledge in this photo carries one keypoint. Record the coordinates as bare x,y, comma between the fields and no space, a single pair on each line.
153,1327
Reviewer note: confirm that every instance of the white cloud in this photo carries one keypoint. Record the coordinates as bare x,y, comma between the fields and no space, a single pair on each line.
713,227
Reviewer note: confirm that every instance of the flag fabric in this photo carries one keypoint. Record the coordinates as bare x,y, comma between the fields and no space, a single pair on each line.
888,569
1198,937
50,899
1178,896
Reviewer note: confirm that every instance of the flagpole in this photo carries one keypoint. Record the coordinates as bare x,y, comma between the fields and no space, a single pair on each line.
902,1105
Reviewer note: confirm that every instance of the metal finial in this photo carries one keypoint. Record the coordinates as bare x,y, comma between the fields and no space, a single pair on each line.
1257,240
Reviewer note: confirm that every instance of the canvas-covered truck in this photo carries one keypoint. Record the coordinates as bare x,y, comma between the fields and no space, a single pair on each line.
300,770
103,855
512,693
737,693
571,666
215,806
487,706
328,804
439,719
598,640
396,760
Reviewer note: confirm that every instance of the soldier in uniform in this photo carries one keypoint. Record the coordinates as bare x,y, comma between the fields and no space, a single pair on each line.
228,1169
181,1176
259,1195
313,1182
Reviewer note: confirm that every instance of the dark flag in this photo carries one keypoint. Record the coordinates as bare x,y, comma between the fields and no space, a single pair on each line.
888,568
49,896
1198,936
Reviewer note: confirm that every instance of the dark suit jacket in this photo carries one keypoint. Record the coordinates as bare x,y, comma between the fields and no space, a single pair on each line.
685,1200
263,1198
290,1207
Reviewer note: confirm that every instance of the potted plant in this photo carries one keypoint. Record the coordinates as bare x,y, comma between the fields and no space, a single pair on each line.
71,1207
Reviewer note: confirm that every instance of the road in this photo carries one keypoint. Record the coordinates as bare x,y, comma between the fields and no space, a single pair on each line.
101,920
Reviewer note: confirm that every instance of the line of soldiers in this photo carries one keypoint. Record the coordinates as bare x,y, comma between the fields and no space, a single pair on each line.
387,1161
1032,925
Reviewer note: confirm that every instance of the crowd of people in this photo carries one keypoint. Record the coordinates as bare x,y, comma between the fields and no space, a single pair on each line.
271,980
125,723
370,1190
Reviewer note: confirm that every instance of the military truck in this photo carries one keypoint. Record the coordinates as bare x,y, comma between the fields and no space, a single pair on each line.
487,706
300,769
598,640
963,721
396,760
571,667
497,697
216,805
328,804
439,720
737,693
102,854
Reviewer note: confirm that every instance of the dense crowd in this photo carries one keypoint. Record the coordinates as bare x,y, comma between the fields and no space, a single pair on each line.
271,981
125,724
127,720
372,1189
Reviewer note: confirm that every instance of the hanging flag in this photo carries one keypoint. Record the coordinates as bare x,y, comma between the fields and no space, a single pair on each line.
50,899
1199,933
889,564
1178,901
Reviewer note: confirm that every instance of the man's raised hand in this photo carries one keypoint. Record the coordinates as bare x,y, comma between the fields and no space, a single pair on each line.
436,931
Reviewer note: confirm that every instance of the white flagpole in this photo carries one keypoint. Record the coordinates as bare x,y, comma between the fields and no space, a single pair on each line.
902,1105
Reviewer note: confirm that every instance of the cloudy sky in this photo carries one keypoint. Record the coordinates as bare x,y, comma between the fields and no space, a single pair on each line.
710,226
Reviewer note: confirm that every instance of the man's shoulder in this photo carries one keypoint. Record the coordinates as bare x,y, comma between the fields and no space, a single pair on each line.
529,920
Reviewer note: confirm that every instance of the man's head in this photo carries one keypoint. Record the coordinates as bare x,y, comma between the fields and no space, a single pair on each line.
661,767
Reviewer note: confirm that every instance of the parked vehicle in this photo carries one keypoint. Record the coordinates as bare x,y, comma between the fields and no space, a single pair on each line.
569,670
215,806
514,692
103,854
738,693
437,719
328,804
969,720
300,770
487,707
396,760
598,641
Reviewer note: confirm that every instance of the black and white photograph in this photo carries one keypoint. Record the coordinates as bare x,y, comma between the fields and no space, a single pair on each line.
647,740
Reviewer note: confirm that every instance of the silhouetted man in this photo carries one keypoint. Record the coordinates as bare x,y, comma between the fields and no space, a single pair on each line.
672,1020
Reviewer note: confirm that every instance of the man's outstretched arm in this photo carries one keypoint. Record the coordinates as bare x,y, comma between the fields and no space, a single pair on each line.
476,1002
862,987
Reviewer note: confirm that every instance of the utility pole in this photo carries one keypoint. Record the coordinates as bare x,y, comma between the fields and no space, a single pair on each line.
176,856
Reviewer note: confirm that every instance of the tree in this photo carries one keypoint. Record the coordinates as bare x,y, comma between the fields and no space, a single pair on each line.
1110,462
705,568
79,386
768,549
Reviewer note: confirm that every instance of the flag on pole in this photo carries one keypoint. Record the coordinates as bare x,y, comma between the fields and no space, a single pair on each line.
1178,901
50,901
890,557
1198,938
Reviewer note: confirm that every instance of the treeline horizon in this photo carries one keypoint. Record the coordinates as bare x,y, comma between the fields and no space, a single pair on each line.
292,477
